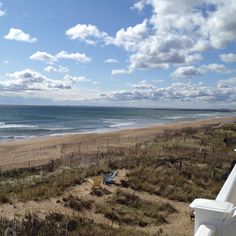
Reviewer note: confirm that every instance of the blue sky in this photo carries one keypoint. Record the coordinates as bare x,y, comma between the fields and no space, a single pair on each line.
144,53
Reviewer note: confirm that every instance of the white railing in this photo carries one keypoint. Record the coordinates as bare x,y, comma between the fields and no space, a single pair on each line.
206,230
217,217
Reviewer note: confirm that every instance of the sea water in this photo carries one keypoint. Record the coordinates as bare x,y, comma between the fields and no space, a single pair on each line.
21,122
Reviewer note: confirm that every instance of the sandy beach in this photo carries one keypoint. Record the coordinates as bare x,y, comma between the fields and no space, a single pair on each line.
23,153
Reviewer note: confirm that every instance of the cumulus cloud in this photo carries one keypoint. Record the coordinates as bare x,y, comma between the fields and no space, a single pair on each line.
111,61
139,6
80,57
87,33
43,56
179,92
130,37
76,79
19,35
143,85
49,58
120,71
2,11
191,71
59,69
228,57
28,80
227,83
218,68
173,35
188,71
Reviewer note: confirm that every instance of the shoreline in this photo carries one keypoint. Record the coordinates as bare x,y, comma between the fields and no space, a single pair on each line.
114,131
18,153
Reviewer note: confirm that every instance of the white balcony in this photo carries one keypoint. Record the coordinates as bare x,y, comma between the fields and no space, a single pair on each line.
217,217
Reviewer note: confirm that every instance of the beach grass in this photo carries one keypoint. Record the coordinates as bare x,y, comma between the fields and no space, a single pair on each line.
179,167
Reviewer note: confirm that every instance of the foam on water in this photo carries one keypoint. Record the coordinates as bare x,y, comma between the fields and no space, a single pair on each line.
22,122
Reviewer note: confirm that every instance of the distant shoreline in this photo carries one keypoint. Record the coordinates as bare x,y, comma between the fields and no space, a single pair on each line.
38,151
33,122
109,132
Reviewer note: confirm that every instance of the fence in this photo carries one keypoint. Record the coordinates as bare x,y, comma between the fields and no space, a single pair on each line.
83,153
91,151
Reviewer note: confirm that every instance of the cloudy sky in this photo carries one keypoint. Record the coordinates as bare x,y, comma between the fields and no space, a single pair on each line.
143,53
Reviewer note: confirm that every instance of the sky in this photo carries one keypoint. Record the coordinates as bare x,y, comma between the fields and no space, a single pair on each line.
134,53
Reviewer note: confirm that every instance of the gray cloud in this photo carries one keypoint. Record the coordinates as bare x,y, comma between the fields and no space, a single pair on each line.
179,92
28,80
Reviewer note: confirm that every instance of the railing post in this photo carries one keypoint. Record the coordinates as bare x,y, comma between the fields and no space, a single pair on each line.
212,213
206,230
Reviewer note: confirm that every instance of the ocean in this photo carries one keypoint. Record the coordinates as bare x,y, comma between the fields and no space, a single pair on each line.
24,122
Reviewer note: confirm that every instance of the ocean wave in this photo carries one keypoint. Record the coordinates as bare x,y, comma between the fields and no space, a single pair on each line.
3,125
174,117
121,124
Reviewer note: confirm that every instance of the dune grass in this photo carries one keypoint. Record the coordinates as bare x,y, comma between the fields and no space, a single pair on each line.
129,209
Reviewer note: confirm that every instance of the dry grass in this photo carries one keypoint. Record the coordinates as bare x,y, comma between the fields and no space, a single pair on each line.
129,209
181,166
78,204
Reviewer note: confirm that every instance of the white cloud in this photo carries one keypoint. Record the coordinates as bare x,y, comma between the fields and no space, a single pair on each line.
19,35
227,83
43,56
50,69
188,71
143,85
63,69
87,33
111,61
80,57
59,69
228,57
120,71
2,11
33,85
49,58
130,38
218,68
173,35
29,80
76,79
179,92
220,25
140,5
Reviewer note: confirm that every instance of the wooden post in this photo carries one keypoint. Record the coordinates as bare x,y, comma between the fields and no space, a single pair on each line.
112,220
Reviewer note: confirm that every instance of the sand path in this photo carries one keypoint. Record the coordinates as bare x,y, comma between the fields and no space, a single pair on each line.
179,223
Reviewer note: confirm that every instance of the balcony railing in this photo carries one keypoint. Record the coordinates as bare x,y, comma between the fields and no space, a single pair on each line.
217,217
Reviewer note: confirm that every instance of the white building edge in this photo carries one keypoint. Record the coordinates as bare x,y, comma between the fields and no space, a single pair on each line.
217,217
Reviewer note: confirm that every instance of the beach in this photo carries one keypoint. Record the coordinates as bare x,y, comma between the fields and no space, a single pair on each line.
39,151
